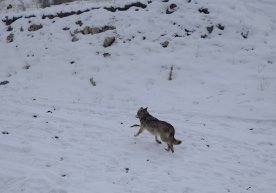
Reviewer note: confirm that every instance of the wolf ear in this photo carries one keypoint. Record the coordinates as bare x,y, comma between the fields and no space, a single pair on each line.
146,108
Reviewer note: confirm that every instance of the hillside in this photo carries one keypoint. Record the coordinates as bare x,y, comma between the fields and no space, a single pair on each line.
67,101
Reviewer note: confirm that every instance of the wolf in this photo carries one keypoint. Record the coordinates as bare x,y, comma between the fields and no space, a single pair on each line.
157,128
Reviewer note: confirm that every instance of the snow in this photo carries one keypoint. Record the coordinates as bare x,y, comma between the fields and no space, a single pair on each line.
60,134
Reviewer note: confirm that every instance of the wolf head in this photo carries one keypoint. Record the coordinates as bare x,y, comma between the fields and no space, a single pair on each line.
142,112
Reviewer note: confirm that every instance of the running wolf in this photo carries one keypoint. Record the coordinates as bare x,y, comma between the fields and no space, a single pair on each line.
157,128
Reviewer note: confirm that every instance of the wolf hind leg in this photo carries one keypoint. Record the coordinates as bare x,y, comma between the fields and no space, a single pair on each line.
170,147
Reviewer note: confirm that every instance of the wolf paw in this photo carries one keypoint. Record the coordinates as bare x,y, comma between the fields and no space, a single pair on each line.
159,142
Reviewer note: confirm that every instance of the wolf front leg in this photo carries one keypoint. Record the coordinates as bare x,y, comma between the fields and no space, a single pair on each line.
140,131
156,139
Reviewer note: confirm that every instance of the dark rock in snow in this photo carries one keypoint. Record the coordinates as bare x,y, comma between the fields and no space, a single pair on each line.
74,39
126,7
9,28
165,44
9,6
9,21
106,54
35,27
210,29
92,81
204,36
221,27
4,82
245,34
108,41
10,38
203,10
173,6
27,67
189,32
79,23
95,30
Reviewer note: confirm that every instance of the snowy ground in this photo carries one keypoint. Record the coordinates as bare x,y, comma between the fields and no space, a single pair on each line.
60,134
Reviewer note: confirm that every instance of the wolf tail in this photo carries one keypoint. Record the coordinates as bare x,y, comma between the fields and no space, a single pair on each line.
176,141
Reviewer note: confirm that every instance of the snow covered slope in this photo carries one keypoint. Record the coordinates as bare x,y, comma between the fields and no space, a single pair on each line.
61,134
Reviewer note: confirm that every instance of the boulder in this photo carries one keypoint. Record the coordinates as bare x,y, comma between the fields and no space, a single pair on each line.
108,41
35,27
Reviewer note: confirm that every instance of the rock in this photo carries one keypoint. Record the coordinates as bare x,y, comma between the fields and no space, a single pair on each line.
35,27
203,10
75,38
92,82
126,7
4,82
221,27
108,27
204,36
85,30
210,29
189,32
245,34
108,41
65,28
10,38
9,28
27,67
9,6
173,6
94,30
165,44
106,55
79,23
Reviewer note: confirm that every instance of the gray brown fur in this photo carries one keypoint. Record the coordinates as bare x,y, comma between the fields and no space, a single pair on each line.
157,128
